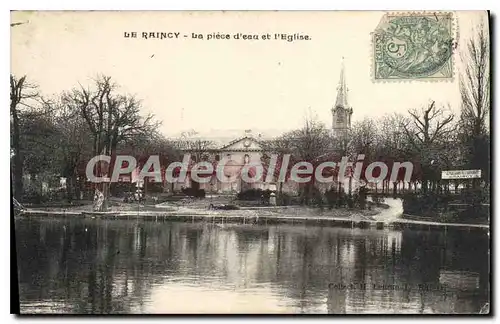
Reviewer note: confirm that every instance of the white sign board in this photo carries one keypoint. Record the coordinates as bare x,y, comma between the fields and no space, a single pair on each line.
461,174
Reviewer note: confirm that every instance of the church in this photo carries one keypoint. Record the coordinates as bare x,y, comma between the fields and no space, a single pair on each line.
248,148
341,111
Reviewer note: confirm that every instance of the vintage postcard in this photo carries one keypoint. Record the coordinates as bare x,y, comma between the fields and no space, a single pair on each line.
251,162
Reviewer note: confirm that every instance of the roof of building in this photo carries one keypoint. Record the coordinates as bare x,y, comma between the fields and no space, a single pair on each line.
224,137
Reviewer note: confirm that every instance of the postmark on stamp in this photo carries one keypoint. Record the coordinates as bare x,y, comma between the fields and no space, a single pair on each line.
413,46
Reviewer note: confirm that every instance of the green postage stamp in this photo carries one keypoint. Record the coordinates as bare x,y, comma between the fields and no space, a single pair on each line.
414,46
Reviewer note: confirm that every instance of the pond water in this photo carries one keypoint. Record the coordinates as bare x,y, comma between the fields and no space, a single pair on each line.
129,266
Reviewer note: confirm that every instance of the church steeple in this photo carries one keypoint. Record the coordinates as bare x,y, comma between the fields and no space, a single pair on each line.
341,112
342,89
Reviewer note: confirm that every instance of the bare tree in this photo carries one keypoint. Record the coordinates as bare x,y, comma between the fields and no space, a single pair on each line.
427,133
142,146
70,142
475,84
39,143
308,144
365,138
391,129
111,117
475,92
278,146
310,141
198,148
343,144
21,92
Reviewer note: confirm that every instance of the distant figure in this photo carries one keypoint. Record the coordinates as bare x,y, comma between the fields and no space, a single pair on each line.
98,200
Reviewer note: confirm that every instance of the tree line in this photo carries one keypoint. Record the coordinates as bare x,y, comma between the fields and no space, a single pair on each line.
433,137
58,135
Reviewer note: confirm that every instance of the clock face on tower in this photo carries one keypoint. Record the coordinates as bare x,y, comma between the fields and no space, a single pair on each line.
246,143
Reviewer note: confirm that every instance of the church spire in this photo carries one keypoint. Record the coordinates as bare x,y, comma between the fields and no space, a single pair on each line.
342,89
341,112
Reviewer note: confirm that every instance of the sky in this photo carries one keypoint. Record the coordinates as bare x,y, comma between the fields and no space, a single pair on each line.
217,85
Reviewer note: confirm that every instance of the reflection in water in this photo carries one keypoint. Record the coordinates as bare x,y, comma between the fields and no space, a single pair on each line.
99,266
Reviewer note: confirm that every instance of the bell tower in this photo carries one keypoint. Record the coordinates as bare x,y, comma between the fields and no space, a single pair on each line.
341,111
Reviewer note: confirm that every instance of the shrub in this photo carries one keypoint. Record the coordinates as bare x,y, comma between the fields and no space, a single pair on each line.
286,199
155,187
448,217
342,199
421,204
338,199
310,195
254,194
34,196
317,197
192,192
119,189
350,201
331,197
